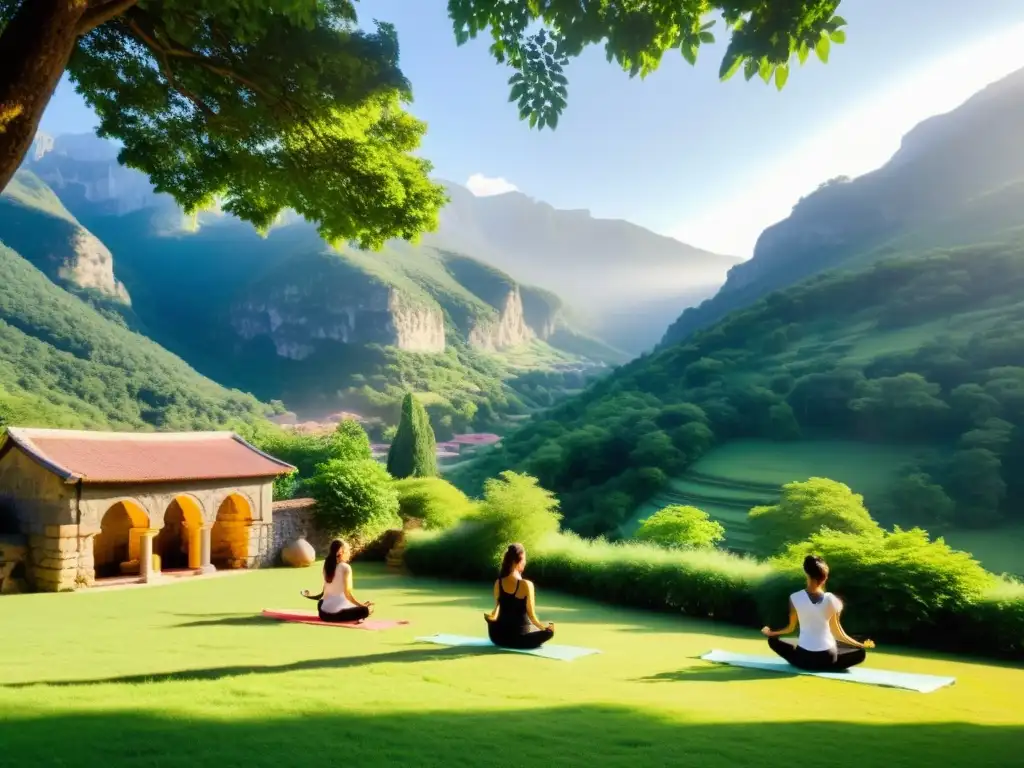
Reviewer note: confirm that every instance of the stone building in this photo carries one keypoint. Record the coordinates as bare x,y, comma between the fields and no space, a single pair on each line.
99,504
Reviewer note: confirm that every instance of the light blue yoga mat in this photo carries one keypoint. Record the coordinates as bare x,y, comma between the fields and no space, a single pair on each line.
905,680
558,652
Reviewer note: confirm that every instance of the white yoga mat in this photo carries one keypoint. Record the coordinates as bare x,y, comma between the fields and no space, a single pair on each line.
558,652
904,680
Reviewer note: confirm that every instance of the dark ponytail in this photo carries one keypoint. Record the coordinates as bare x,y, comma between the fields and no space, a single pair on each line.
513,556
331,562
816,568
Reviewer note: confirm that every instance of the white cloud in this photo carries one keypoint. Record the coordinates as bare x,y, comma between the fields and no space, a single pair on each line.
484,186
862,139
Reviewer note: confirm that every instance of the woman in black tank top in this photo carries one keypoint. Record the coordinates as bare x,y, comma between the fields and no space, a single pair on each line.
513,622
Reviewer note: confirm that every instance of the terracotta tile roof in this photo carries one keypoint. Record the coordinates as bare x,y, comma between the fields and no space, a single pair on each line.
143,457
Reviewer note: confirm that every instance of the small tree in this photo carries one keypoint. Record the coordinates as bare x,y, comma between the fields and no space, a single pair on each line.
356,499
350,442
805,509
680,527
515,509
414,450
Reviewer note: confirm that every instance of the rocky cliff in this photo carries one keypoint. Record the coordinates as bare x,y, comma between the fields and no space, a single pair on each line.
319,298
34,223
508,330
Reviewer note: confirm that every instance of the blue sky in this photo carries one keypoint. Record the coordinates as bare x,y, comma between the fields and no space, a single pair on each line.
681,153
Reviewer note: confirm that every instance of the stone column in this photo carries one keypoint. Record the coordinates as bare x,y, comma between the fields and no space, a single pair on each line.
205,566
195,547
146,570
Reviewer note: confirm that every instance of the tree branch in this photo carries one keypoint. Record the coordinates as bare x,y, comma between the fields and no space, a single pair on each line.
160,53
101,12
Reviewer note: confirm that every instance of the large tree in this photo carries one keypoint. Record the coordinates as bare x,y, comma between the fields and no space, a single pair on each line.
265,105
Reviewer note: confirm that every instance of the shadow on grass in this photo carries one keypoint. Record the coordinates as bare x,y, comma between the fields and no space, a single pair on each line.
713,673
228,620
578,736
408,656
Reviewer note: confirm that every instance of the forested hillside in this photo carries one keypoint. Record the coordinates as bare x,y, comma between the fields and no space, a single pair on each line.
63,364
925,350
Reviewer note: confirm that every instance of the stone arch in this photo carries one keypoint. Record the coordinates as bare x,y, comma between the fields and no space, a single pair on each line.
229,540
179,542
118,539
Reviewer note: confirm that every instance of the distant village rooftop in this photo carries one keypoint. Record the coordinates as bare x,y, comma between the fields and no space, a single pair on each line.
133,457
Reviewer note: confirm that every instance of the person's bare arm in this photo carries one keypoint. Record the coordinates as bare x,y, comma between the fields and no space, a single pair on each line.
791,627
531,603
493,615
348,590
840,634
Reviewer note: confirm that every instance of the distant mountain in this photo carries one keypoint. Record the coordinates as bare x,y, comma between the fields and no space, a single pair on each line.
627,282
286,317
958,178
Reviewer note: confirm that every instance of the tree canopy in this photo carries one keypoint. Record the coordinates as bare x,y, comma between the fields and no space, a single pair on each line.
681,527
536,38
266,105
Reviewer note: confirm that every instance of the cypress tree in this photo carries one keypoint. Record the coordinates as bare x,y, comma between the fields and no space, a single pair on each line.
413,452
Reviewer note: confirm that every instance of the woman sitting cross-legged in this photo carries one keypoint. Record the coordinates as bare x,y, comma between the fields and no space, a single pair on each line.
513,623
336,602
823,645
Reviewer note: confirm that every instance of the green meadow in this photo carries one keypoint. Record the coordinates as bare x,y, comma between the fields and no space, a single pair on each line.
189,675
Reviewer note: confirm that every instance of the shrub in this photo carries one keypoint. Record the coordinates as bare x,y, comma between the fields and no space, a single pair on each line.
355,499
681,527
414,450
897,586
708,584
350,442
515,508
806,508
994,624
436,502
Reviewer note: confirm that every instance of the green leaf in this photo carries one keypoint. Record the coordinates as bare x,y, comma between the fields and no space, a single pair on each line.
803,52
541,122
750,69
781,76
707,37
839,36
461,37
838,21
533,119
707,26
553,119
822,49
516,78
765,69
517,92
690,53
730,66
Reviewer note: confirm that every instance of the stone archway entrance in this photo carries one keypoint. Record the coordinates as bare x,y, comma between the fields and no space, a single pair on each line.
179,542
230,537
119,538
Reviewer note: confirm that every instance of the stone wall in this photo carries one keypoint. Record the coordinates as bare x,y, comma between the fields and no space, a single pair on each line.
60,560
293,519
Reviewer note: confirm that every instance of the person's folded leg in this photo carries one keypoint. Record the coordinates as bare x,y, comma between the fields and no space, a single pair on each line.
847,656
518,640
345,616
784,648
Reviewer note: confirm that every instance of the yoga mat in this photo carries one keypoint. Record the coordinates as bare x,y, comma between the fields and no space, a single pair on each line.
310,617
904,680
557,652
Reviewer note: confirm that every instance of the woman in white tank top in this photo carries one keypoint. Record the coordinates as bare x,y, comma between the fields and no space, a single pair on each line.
336,602
823,644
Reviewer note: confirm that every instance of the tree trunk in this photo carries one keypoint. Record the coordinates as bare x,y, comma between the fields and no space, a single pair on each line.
34,51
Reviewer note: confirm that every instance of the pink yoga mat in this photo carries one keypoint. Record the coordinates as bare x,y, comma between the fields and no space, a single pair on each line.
310,617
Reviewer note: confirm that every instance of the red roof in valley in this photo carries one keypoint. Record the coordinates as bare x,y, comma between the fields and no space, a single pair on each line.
128,457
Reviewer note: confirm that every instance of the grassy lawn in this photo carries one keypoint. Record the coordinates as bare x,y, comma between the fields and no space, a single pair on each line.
187,675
